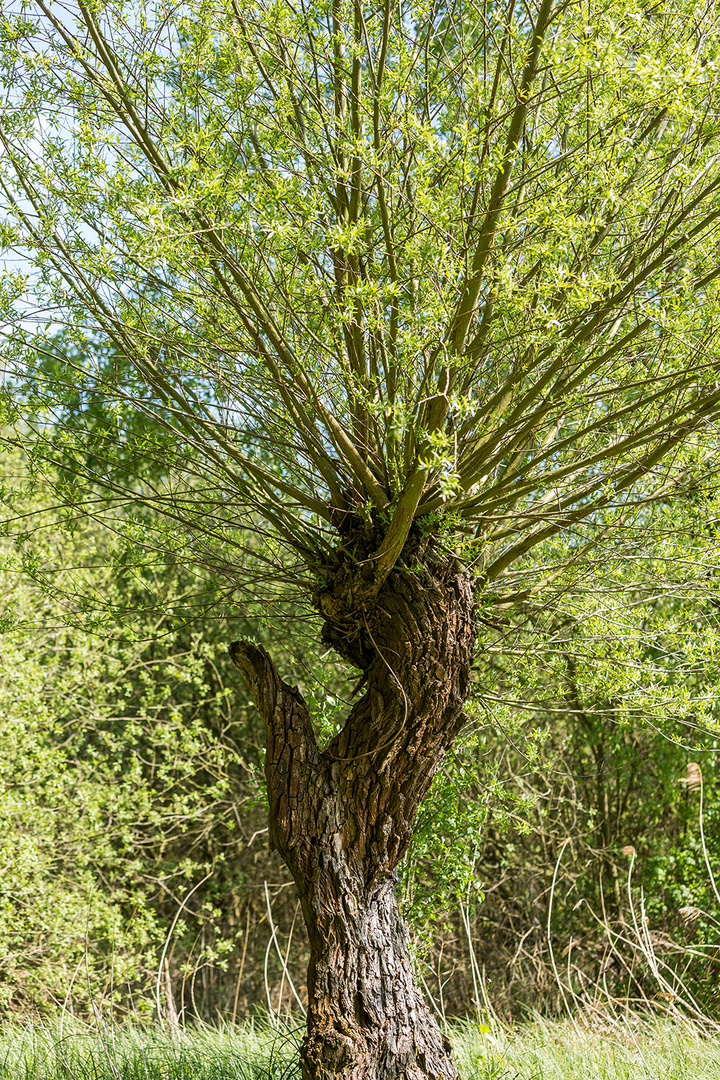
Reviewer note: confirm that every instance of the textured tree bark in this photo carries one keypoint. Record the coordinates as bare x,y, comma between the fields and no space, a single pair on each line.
342,817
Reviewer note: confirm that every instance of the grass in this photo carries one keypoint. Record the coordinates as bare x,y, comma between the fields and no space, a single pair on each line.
249,1053
556,1051
537,1051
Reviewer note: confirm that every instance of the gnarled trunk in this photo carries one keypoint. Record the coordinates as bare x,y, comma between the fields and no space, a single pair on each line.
342,817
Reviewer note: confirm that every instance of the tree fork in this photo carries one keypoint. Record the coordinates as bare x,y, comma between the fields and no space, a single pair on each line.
342,817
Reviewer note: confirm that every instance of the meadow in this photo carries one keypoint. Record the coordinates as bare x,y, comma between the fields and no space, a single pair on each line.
626,1049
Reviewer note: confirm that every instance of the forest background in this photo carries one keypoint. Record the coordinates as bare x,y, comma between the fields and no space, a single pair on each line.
560,858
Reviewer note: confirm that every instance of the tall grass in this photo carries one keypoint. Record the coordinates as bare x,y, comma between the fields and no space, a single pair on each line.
625,1050
253,1052
538,1051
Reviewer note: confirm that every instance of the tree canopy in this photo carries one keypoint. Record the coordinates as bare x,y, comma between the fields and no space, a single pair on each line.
453,264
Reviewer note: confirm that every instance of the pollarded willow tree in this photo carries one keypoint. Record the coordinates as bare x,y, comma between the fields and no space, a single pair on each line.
410,290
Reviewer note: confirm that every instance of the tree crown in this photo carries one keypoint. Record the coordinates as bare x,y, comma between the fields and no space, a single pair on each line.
371,275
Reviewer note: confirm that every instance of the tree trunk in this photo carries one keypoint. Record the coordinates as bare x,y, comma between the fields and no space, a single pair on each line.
342,817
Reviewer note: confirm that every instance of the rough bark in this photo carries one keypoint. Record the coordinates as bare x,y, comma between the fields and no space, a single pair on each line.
342,816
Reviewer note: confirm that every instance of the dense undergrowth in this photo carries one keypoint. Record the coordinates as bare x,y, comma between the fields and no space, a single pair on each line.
621,1049
576,826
